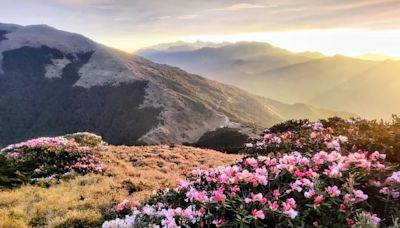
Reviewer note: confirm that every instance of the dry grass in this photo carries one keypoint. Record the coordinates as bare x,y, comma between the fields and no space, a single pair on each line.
132,172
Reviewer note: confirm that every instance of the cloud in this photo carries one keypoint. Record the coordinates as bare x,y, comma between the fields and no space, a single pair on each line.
121,19
188,17
161,18
242,6
146,20
358,4
83,2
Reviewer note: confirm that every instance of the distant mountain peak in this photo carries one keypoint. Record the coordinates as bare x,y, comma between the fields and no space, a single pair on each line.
54,82
308,77
312,54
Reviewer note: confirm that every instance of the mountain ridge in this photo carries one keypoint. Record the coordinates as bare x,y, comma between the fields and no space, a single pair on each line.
69,83
304,77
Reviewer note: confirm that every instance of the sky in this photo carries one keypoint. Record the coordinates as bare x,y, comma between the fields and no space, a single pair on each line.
349,27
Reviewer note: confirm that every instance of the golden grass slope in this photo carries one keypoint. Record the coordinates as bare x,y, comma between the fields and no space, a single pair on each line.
132,173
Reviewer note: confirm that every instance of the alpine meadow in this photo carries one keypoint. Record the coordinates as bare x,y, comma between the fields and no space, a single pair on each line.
191,113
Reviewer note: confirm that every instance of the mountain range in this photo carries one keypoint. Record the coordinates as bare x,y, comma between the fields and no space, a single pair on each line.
366,88
54,82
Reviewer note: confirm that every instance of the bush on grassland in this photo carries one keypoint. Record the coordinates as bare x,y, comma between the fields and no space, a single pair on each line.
281,190
371,135
86,139
47,157
308,175
229,140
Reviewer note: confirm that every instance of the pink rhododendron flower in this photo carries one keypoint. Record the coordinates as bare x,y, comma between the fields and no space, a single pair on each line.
333,171
374,183
394,178
273,205
182,185
292,213
359,195
342,208
384,190
348,198
317,126
233,191
349,221
289,204
194,195
251,162
218,195
276,140
318,199
121,206
374,219
256,198
218,222
276,193
257,214
333,191
310,193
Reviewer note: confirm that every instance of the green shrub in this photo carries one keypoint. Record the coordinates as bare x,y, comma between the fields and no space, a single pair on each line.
86,139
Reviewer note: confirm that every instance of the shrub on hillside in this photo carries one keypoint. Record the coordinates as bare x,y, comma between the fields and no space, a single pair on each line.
320,189
311,175
86,139
46,157
228,140
371,135
9,175
289,125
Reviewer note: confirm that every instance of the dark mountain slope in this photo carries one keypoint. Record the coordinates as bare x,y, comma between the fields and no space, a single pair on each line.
54,82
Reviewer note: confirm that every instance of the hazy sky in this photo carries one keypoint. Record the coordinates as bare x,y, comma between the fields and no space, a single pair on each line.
349,27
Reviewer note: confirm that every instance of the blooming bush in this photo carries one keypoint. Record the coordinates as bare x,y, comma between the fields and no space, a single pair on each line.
313,137
121,209
327,189
301,174
371,135
48,157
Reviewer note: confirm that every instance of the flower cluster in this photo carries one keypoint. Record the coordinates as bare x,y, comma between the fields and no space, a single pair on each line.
283,189
313,137
49,156
379,135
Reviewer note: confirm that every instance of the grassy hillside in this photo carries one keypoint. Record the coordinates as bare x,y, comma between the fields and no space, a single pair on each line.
307,172
84,201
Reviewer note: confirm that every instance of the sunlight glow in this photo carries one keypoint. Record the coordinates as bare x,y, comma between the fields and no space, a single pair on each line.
350,42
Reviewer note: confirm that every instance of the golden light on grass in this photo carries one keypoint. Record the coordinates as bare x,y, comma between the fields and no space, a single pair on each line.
132,173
